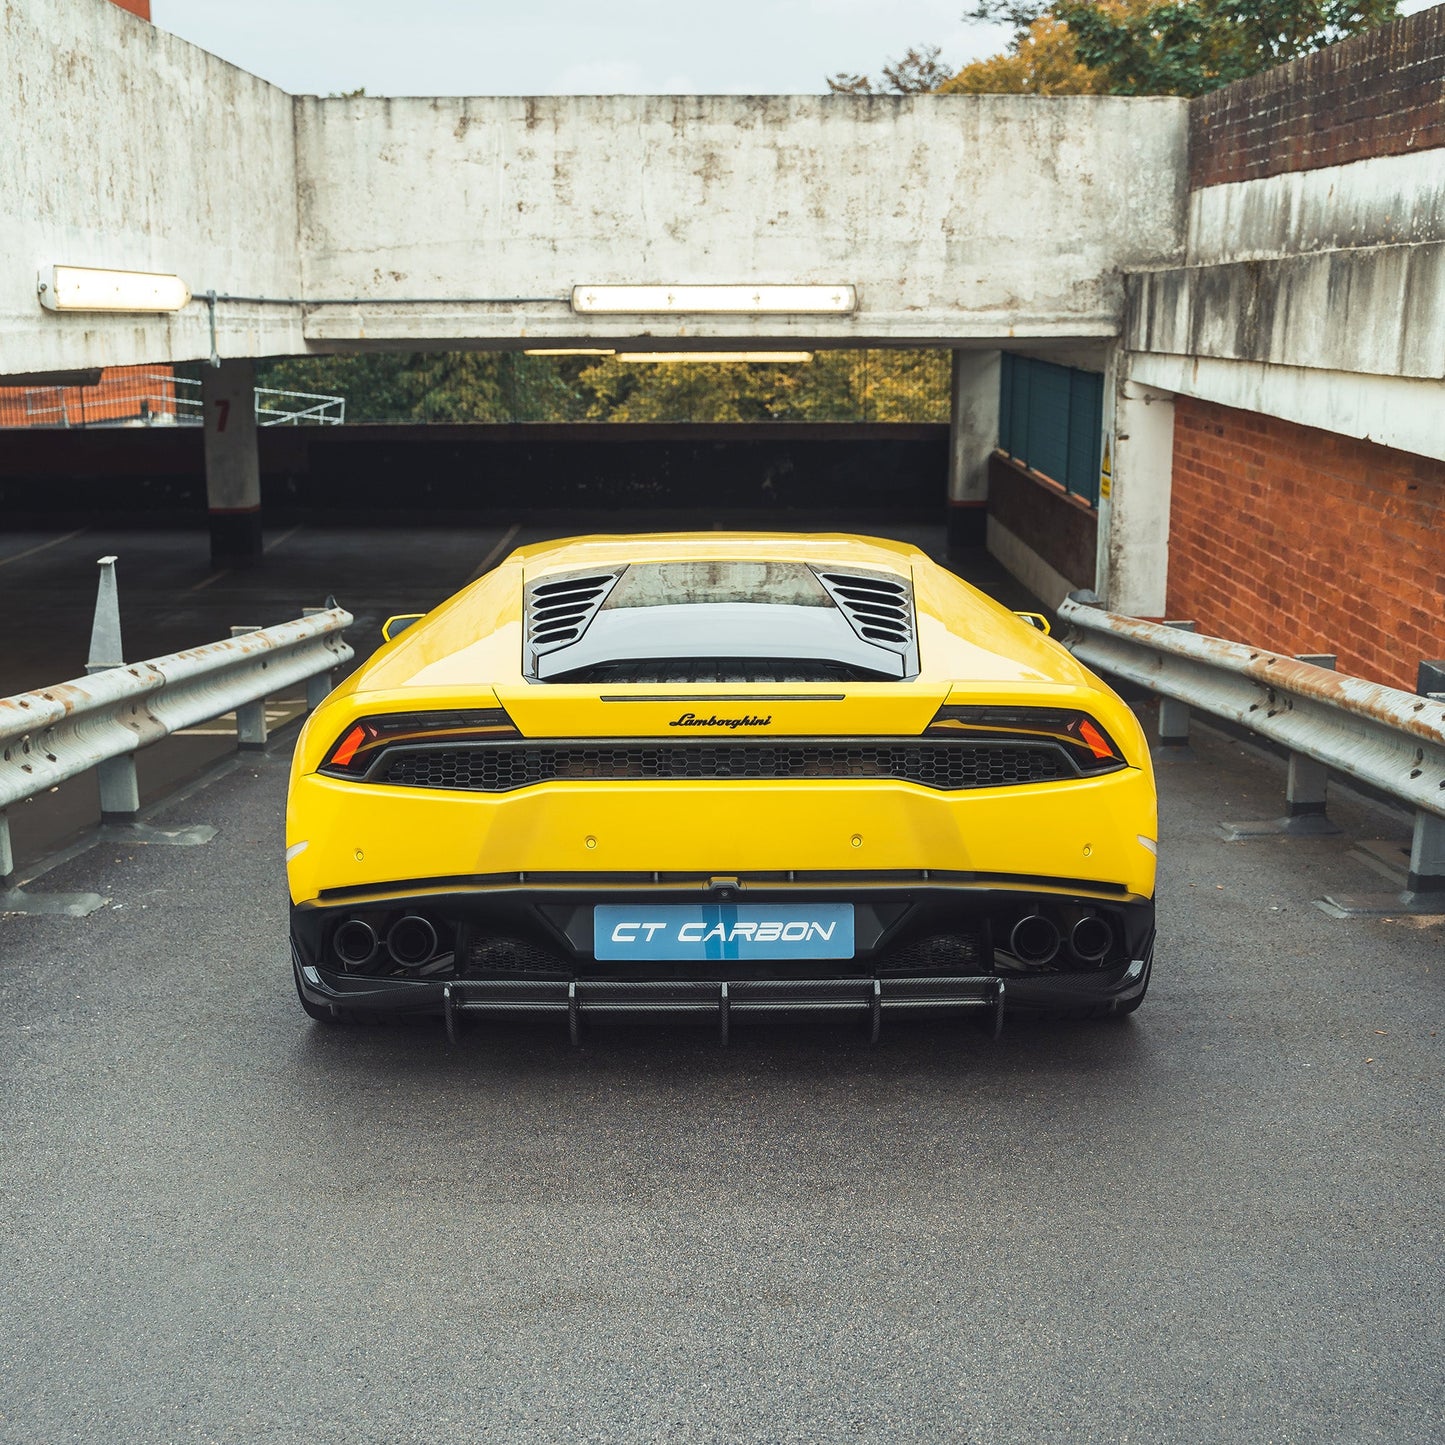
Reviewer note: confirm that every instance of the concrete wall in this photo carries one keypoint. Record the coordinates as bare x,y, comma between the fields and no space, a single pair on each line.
867,475
1301,349
1314,277
955,216
127,148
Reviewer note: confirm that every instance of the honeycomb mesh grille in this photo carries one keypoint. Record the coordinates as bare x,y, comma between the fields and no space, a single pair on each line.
504,767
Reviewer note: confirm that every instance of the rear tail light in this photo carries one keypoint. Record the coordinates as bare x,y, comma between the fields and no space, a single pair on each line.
1090,747
354,752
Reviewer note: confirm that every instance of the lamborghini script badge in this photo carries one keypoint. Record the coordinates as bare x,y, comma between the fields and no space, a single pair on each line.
692,720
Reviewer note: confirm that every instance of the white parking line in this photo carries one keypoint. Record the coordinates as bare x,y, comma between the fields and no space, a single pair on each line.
496,552
41,547
276,713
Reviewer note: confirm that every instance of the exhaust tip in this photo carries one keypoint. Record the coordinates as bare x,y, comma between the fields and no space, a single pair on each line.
1034,939
354,942
412,940
1090,940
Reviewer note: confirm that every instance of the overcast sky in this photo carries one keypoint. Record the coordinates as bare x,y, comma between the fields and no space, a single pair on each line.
545,47
542,47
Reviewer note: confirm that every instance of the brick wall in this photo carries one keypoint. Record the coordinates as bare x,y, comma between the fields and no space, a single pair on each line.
1377,94
1301,540
1062,529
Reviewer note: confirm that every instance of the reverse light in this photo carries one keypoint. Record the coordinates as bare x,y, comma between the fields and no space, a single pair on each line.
1090,748
358,748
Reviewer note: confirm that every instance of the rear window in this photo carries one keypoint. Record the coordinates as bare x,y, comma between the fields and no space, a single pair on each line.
671,584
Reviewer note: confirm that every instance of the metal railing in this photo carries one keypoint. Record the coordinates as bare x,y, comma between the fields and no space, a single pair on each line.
138,396
307,408
100,721
1391,740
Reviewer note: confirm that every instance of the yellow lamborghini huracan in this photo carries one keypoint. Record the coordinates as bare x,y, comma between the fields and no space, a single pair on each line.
723,774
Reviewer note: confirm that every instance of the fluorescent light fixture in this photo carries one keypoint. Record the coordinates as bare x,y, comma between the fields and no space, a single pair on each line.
569,351
84,288
779,357
736,300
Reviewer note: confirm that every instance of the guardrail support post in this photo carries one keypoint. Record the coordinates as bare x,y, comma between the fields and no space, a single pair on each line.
1427,846
14,899
119,790
251,731
318,687
1173,714
1305,792
1427,856
1424,891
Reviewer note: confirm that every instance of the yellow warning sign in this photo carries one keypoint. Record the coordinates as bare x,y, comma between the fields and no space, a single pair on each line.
1106,472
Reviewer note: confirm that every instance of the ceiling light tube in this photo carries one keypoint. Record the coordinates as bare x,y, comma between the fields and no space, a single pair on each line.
717,300
779,357
86,288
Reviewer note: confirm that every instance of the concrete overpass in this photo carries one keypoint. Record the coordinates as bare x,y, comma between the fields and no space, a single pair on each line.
1203,252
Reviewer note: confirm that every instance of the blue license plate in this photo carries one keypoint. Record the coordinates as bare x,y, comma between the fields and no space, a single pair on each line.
699,932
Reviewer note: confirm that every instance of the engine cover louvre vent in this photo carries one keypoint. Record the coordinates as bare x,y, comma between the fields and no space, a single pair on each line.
560,609
879,608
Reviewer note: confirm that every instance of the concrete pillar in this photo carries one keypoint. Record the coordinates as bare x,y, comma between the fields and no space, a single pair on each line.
972,436
233,471
1136,471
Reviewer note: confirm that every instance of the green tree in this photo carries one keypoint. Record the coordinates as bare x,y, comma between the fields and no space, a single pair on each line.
920,70
834,386
1042,59
1188,47
1145,47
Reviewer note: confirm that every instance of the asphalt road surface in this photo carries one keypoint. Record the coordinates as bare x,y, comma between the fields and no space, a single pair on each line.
1217,1221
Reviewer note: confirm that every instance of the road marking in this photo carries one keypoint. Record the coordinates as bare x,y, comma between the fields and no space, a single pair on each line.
41,547
496,552
284,537
276,714
214,577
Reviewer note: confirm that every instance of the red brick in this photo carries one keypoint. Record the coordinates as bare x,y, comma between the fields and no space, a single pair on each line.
1309,558
1377,94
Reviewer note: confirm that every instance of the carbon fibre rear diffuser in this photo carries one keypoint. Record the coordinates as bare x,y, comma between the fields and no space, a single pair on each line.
682,997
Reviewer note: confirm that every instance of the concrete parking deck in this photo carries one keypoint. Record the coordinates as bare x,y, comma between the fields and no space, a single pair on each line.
1216,1221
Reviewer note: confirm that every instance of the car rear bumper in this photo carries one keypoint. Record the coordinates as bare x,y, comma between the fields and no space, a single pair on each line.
926,944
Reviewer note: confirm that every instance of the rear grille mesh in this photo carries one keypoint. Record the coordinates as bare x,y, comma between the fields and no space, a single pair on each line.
504,767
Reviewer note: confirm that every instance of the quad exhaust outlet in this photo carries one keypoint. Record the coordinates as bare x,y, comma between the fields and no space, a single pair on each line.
355,942
411,940
1034,939
1090,940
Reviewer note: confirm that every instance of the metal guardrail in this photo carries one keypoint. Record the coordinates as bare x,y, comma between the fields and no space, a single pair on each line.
1392,740
101,720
